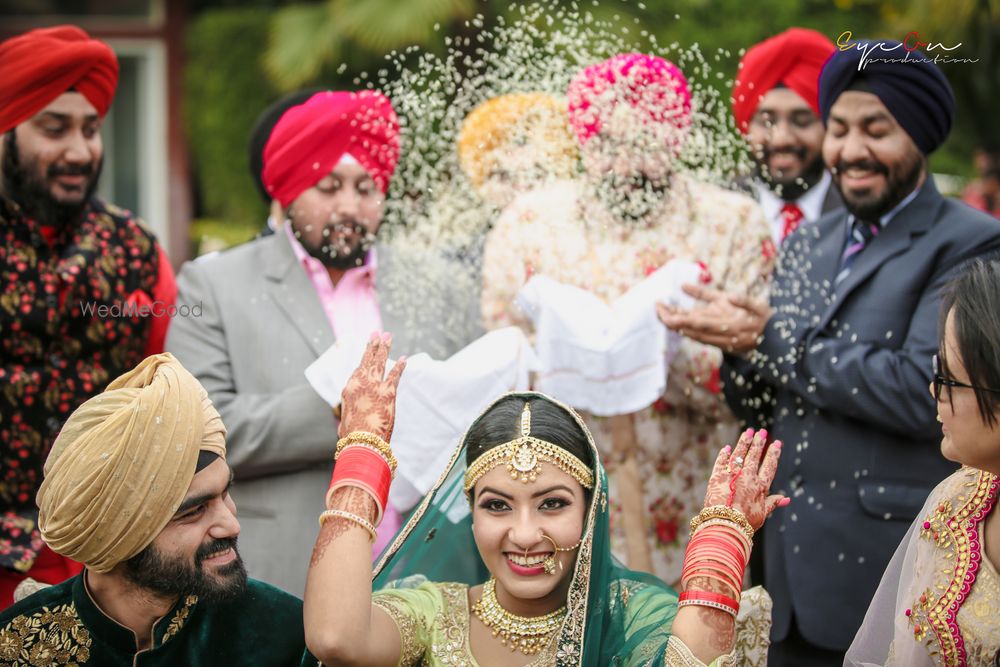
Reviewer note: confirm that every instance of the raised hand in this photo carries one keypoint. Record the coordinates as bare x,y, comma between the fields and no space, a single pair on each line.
730,322
368,402
742,478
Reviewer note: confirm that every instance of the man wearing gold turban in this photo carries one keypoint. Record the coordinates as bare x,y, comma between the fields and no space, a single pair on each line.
512,143
137,489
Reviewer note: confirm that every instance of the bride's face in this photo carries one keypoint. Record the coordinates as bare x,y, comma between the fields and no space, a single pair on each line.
509,519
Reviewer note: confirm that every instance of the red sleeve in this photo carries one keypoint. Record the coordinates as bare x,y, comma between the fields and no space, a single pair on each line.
165,293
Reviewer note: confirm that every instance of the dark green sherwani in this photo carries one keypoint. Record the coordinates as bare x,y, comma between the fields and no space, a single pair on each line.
61,625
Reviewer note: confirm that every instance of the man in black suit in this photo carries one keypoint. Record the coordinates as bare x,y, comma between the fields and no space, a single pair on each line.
839,361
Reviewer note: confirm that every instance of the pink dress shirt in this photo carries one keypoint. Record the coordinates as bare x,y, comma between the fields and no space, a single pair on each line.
351,307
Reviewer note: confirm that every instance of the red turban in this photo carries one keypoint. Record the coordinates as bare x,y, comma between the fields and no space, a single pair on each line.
653,85
794,58
39,66
311,138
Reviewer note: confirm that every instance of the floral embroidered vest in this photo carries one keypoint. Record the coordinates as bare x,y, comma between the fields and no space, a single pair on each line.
58,346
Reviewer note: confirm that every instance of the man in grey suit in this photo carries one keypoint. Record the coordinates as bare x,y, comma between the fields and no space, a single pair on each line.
272,306
840,360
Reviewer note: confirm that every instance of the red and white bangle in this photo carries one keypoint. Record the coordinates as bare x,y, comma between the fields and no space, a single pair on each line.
709,599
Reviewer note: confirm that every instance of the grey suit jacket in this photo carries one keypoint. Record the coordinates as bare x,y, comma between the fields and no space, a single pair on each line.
843,374
261,325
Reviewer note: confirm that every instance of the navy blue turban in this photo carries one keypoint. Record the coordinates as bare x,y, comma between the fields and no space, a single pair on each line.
916,93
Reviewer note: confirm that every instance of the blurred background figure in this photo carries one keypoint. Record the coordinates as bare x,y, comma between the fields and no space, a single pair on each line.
776,107
983,192
514,143
259,135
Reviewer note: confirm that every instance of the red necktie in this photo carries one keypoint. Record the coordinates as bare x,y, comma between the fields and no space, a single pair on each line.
792,216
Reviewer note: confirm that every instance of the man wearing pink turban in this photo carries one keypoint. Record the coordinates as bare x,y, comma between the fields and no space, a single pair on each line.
86,287
634,210
271,307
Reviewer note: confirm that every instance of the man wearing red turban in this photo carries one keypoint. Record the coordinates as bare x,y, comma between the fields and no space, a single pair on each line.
83,281
633,210
315,282
776,106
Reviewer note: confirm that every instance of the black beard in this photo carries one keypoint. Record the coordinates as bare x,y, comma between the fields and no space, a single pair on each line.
175,577
632,198
899,185
333,257
789,189
21,185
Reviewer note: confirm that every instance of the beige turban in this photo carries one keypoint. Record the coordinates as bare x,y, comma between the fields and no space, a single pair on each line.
123,463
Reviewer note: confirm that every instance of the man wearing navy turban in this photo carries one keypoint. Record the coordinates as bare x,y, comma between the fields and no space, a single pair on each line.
839,360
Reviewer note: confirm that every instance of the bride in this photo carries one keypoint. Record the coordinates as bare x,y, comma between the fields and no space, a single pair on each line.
527,486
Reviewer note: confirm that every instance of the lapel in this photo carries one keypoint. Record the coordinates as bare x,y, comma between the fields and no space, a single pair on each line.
293,293
895,238
832,201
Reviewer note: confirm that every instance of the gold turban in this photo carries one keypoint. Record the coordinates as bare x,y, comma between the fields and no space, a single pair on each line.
499,123
123,463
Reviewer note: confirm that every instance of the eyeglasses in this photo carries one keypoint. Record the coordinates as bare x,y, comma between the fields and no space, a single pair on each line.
942,381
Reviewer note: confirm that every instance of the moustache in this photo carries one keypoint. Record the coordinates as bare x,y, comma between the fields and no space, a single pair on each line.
867,165
768,153
70,170
212,547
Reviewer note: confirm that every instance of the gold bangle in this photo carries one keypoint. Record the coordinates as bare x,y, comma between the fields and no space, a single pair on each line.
389,459
354,518
366,438
723,512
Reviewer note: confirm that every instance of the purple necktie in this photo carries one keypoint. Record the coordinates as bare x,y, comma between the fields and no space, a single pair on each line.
861,233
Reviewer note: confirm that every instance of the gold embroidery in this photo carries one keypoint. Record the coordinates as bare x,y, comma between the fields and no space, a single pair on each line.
47,637
956,533
177,622
451,624
411,649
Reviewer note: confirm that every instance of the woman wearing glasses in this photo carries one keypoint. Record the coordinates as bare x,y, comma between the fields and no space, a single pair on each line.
939,600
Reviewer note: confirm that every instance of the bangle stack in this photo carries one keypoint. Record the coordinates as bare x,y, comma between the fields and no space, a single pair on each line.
719,550
364,461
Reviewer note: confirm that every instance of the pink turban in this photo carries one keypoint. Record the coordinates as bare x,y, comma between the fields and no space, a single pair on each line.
654,86
40,65
311,138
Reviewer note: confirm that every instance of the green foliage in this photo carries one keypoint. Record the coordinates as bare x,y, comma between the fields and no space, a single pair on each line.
208,235
302,39
225,90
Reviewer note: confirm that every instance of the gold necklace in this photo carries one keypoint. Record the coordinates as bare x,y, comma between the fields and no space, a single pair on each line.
529,635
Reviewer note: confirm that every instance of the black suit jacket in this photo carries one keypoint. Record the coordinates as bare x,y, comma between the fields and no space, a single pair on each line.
842,375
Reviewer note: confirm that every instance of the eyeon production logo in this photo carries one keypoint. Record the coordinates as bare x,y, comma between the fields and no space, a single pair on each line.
903,52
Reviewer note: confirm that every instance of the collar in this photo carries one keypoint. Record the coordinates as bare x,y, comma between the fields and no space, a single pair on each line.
313,265
811,201
117,636
887,218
